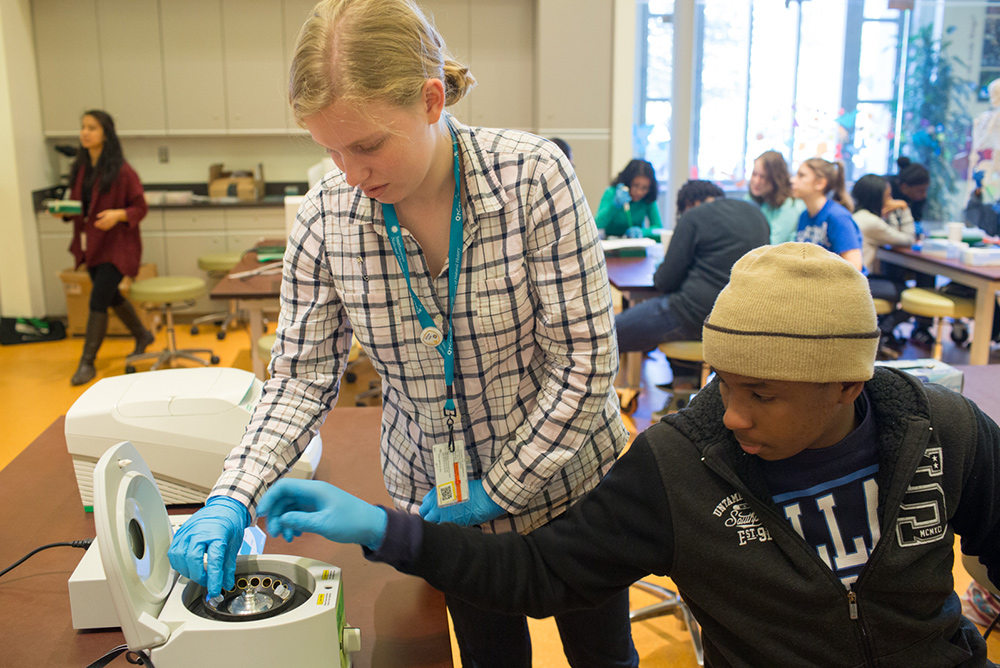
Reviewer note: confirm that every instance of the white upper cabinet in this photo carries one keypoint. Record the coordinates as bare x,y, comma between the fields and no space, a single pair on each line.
253,50
131,65
194,80
69,68
296,13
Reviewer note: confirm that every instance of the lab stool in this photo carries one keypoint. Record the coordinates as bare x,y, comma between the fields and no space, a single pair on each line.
169,293
217,265
670,603
883,306
686,351
933,304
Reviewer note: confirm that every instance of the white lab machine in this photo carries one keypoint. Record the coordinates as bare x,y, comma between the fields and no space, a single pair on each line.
283,610
183,421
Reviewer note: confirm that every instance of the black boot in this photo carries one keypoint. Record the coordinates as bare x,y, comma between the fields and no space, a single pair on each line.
143,337
97,327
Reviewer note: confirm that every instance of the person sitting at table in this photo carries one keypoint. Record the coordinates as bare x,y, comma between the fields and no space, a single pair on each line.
628,206
979,214
711,234
827,218
466,262
805,505
882,223
771,190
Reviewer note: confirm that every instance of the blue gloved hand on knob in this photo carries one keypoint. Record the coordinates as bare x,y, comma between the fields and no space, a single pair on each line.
215,531
295,506
622,196
477,509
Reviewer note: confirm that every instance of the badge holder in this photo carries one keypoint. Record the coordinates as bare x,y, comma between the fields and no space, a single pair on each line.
283,610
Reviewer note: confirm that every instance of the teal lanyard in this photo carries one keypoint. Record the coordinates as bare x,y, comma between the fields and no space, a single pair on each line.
445,347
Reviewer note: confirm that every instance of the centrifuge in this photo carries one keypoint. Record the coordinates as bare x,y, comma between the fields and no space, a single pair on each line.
283,610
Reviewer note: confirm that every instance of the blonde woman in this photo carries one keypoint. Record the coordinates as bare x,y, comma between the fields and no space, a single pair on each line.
467,263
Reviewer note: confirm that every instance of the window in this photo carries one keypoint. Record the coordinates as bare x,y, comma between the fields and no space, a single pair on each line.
802,77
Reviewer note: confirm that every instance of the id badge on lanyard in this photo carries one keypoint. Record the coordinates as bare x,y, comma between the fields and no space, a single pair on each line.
450,463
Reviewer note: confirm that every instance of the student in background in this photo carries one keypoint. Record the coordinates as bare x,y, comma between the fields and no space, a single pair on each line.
805,504
711,234
628,206
771,190
106,234
827,218
564,147
466,262
910,185
882,223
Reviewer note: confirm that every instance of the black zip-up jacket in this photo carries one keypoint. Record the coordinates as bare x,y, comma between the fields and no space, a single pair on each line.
686,502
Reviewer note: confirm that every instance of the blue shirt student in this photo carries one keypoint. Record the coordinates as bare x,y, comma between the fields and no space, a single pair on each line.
832,227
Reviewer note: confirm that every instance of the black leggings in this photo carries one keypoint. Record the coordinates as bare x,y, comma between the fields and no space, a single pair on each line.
104,294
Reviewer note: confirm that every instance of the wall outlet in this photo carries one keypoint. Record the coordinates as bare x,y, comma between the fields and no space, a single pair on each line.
163,154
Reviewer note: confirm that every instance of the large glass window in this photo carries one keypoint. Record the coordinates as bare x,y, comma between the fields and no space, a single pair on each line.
804,78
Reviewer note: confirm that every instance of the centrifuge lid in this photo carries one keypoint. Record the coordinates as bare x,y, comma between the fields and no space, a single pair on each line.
133,532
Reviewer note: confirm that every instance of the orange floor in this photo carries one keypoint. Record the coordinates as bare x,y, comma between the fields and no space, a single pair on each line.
35,390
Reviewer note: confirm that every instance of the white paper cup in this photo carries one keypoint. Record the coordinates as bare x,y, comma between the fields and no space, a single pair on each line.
665,237
955,231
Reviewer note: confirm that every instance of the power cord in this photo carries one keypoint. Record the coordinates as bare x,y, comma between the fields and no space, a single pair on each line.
75,543
139,658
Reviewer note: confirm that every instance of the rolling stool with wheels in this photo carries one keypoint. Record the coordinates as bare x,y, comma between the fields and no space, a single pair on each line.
933,304
671,603
169,292
218,265
687,351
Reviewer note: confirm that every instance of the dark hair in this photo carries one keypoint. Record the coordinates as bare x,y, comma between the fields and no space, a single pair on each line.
912,173
833,172
696,191
639,168
563,146
869,192
776,172
111,160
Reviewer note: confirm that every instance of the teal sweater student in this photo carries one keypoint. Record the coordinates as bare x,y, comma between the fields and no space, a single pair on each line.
630,201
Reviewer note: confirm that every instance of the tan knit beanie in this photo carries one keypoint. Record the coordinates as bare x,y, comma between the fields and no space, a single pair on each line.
793,312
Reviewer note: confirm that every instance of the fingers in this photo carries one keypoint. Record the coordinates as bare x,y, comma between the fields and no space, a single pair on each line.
217,567
429,503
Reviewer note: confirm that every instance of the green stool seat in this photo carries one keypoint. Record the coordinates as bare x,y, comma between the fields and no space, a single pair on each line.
219,262
264,345
167,289
688,351
883,306
169,292
933,304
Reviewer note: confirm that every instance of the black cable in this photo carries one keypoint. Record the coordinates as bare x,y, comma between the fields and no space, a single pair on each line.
139,658
75,543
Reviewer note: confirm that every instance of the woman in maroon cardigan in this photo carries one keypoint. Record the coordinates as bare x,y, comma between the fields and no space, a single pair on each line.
106,234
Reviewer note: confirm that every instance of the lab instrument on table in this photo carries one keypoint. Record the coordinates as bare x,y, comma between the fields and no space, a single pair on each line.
183,421
283,610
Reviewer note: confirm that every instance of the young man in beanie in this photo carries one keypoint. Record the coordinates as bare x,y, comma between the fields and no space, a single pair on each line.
805,504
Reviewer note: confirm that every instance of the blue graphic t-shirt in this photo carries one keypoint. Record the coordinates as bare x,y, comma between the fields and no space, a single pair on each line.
830,496
832,227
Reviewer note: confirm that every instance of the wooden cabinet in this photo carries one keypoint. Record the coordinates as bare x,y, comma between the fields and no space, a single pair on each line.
54,237
131,64
253,50
69,68
193,76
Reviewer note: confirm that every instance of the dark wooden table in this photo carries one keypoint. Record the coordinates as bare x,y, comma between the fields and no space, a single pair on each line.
986,281
402,619
254,294
633,277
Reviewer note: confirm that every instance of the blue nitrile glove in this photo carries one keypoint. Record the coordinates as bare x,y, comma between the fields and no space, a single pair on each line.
977,176
295,506
477,509
634,233
622,196
215,530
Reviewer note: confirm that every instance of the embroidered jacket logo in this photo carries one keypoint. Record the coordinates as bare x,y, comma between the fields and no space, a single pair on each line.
922,513
738,515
